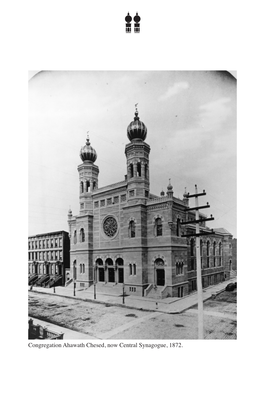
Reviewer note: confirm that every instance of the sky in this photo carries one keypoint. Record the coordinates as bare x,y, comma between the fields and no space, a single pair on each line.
191,121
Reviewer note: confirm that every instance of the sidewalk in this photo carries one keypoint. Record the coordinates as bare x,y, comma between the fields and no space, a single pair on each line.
171,305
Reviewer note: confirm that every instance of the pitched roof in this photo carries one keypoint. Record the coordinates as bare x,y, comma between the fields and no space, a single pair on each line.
222,231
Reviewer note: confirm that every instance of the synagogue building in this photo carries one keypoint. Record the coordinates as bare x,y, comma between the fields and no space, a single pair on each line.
125,235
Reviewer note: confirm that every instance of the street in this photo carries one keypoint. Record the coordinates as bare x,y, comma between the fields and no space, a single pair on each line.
105,321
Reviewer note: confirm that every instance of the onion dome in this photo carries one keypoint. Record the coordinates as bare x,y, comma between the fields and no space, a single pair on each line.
69,212
169,188
136,129
88,153
162,193
185,195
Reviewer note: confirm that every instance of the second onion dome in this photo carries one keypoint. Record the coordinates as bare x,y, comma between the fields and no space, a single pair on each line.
88,153
136,129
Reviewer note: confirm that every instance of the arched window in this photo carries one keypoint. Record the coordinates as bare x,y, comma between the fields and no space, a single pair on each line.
139,169
87,186
80,268
130,269
131,168
81,187
158,227
134,269
220,254
192,247
179,268
192,254
208,253
214,252
132,229
83,268
82,235
109,261
178,227
75,236
94,185
146,171
119,261
99,261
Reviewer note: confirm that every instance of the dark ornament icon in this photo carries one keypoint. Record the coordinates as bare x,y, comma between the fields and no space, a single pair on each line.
137,24
128,19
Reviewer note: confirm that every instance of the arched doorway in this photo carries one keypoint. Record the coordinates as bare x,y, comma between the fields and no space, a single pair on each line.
159,272
111,270
160,276
120,270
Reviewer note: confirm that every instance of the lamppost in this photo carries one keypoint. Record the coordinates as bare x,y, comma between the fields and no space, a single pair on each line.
123,293
74,278
116,273
94,280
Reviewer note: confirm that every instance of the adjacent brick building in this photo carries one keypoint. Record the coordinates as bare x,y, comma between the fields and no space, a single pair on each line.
123,234
48,258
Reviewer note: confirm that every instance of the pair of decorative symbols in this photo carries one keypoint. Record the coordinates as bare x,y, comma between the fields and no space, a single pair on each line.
128,20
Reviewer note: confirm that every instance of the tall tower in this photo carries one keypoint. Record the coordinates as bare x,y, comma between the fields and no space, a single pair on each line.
137,154
88,176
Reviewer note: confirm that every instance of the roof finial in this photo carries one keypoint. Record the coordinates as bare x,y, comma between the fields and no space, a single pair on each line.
136,112
170,186
88,139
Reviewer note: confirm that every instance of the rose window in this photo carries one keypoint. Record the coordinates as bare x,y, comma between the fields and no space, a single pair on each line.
110,226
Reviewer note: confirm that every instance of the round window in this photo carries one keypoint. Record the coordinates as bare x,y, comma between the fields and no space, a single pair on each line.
110,226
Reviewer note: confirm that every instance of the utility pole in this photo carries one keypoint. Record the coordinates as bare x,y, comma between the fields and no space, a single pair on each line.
197,235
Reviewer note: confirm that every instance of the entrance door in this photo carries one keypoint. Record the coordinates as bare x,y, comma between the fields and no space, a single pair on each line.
120,275
160,277
101,275
111,275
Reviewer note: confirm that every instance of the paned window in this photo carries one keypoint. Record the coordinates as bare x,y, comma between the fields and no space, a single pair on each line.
158,227
132,229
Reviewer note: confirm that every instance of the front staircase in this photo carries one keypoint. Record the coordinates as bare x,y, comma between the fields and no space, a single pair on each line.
32,279
42,279
56,281
154,291
68,282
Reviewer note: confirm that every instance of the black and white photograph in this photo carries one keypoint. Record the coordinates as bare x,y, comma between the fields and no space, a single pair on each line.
132,205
